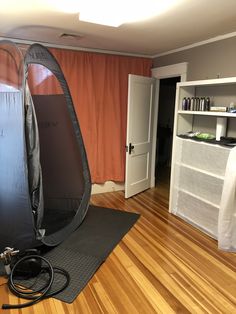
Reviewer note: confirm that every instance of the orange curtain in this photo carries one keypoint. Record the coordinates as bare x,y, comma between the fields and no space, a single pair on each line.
11,68
99,87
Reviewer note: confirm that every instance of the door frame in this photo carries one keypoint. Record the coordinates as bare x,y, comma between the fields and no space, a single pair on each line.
178,69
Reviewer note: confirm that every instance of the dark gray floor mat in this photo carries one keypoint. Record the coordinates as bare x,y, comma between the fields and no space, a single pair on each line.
87,248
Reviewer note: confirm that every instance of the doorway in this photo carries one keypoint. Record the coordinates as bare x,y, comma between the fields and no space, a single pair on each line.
165,124
164,72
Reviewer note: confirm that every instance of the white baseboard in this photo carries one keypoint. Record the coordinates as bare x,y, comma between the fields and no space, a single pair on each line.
108,186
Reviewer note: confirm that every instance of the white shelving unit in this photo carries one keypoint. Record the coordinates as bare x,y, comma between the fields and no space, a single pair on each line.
198,168
208,113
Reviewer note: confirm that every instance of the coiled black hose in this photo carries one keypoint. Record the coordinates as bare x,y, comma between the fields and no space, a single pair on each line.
43,291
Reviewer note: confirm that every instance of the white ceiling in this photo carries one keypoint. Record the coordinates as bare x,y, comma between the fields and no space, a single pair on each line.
188,22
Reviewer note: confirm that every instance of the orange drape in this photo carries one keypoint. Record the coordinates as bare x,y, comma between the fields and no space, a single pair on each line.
11,68
99,87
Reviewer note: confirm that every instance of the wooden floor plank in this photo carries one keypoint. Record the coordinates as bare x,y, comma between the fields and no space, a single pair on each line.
163,265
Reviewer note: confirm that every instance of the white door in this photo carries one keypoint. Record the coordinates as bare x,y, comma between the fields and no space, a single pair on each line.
139,134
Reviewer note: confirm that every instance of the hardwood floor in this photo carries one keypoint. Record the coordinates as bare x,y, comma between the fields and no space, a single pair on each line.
163,265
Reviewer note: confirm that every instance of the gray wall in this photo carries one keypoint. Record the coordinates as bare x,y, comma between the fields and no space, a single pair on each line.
206,61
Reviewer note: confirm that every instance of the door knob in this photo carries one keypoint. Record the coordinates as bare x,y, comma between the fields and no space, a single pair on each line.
131,147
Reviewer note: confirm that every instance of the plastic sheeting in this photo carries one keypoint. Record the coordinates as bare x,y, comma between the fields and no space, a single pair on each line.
227,213
198,183
33,159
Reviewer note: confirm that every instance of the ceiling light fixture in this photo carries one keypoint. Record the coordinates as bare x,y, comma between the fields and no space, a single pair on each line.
114,12
117,12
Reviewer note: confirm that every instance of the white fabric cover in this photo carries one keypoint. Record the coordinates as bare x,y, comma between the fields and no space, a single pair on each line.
227,212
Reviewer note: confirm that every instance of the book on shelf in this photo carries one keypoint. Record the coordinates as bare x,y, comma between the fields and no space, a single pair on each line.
218,108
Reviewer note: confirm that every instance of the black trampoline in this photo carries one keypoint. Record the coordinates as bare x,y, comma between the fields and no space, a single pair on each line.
45,182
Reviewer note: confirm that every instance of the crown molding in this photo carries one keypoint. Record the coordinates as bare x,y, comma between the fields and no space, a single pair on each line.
200,43
197,44
112,52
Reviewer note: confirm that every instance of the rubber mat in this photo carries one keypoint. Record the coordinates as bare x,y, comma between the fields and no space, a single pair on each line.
87,248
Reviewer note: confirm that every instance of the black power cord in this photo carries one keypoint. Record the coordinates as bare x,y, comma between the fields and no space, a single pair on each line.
38,294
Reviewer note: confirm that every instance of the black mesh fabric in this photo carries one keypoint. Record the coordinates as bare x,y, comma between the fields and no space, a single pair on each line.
44,172
80,177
